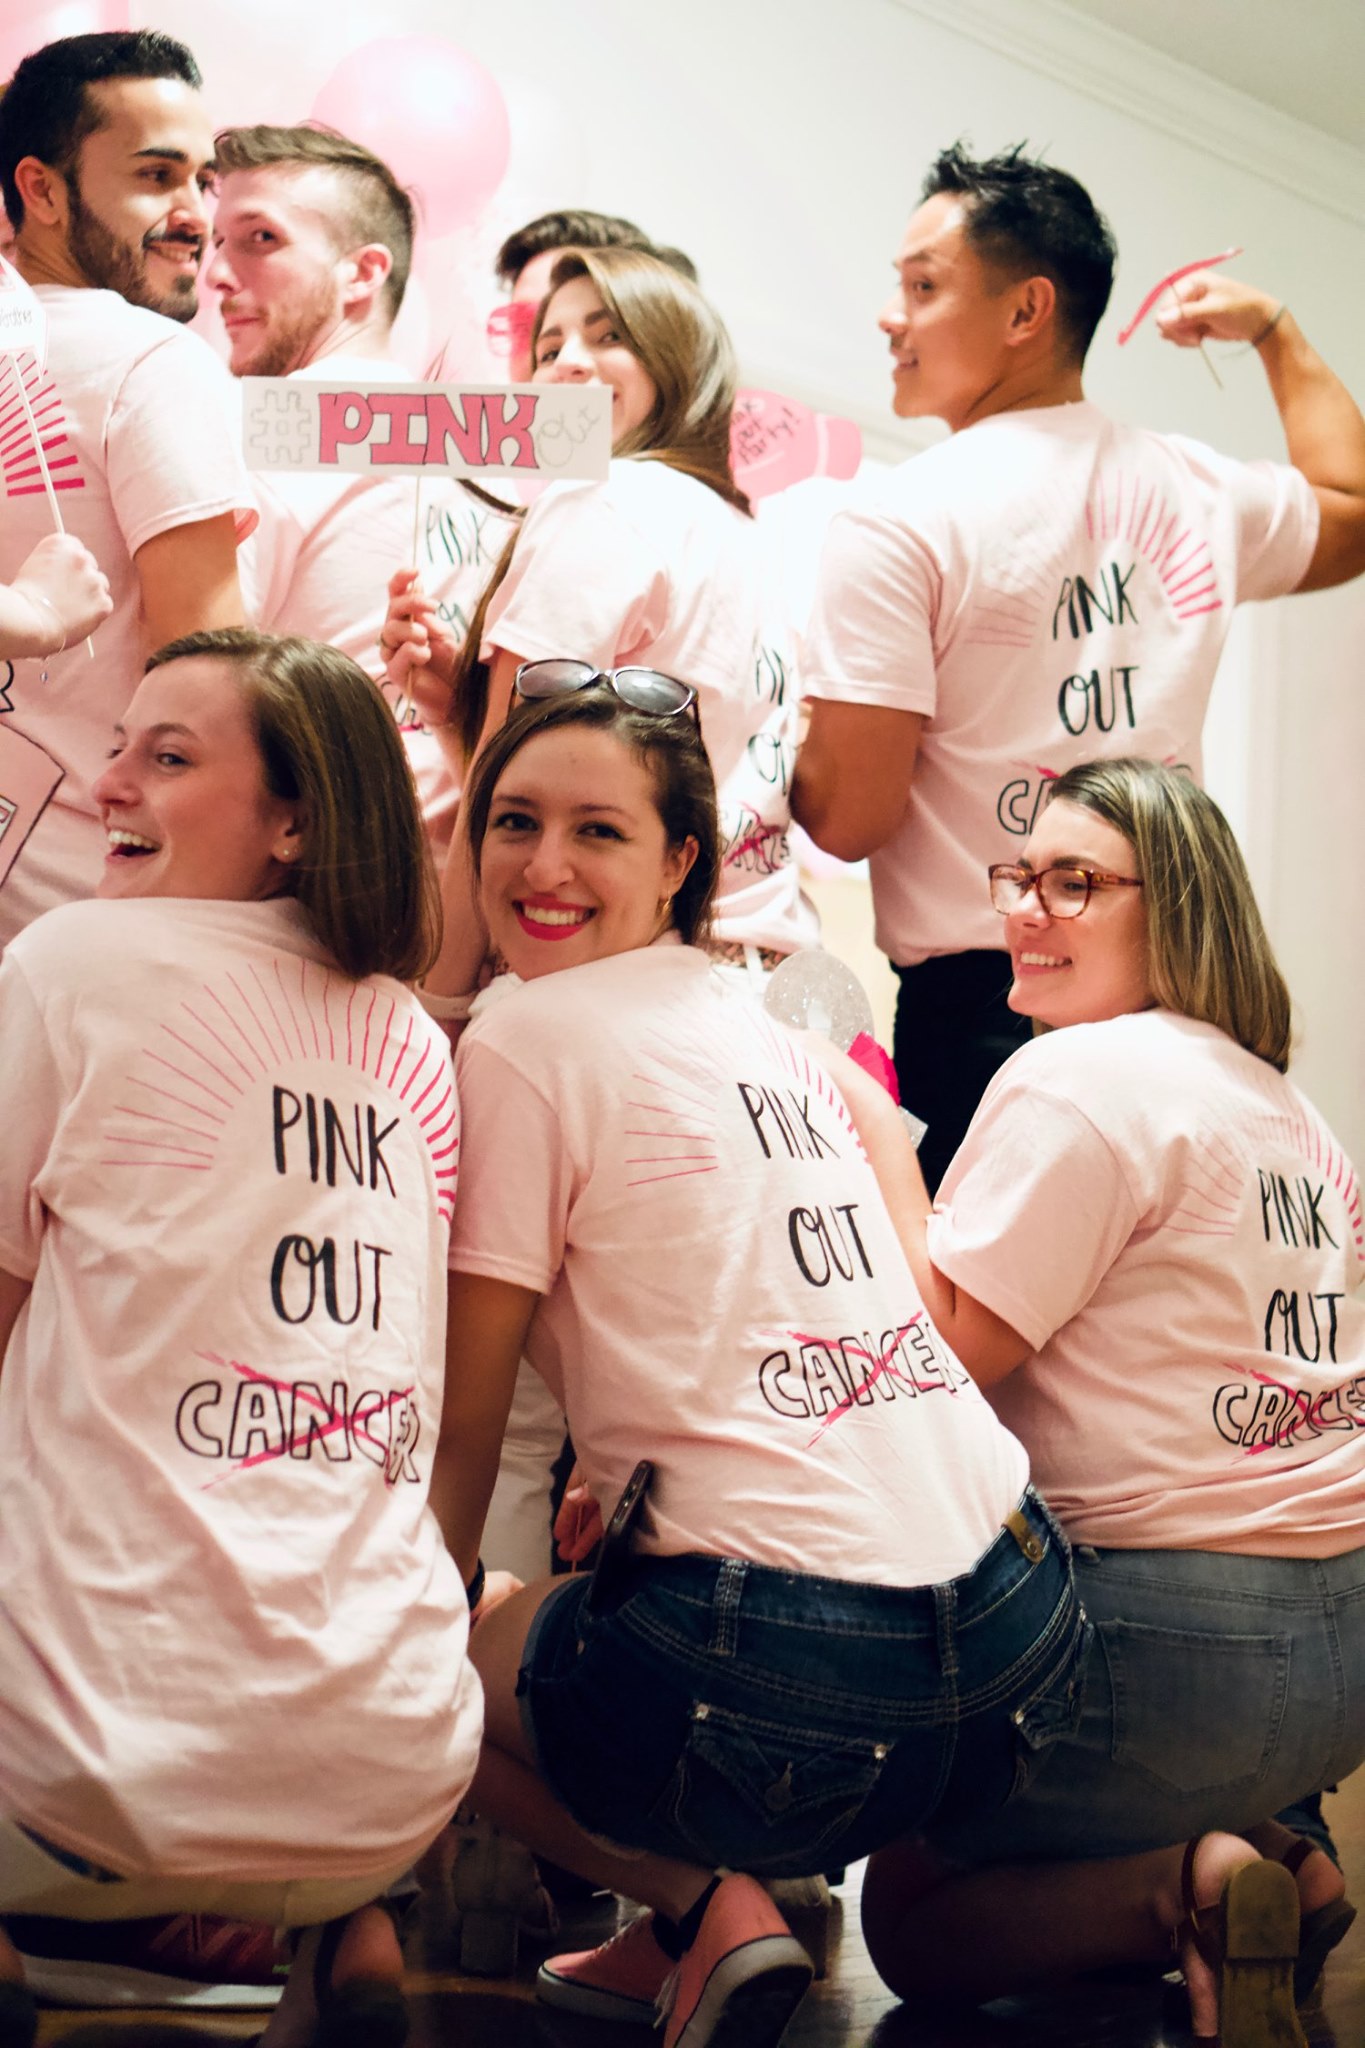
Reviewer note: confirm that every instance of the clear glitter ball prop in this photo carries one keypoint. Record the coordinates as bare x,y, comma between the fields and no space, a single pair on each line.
814,991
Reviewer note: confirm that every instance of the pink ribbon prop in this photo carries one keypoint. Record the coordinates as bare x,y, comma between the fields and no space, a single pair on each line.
1168,284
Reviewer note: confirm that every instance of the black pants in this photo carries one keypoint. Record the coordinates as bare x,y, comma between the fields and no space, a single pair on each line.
953,1029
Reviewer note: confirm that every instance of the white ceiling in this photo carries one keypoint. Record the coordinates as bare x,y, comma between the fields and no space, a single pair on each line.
1304,57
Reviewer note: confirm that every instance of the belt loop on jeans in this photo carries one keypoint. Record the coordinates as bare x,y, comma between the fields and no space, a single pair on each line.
725,1607
1017,1524
945,1617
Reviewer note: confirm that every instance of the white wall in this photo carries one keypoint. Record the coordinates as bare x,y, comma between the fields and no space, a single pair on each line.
781,143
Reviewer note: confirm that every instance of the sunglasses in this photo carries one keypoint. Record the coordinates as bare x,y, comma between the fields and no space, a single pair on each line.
644,689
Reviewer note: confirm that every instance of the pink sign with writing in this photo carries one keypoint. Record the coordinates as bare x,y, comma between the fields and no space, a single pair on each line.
475,430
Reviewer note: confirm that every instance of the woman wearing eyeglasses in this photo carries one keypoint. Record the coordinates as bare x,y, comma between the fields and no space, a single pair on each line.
662,566
841,1607
1149,1250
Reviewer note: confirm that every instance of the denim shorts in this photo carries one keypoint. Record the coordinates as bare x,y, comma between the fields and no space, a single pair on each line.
731,1714
1217,1690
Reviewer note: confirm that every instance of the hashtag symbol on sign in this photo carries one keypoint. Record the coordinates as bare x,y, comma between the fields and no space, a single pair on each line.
282,433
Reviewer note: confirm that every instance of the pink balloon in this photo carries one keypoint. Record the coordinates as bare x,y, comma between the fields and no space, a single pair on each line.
776,442
24,28
433,113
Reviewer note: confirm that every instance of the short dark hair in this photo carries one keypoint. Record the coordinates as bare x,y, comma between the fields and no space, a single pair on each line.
377,207
46,111
1026,218
671,749
328,742
579,230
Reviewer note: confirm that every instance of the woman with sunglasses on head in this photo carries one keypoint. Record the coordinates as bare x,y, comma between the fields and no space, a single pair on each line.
661,566
1149,1250
842,1607
232,1644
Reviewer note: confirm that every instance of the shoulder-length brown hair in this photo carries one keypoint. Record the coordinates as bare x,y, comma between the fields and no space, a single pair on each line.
328,742
681,341
1208,956
670,748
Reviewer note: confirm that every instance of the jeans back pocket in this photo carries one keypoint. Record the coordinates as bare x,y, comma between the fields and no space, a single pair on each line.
758,1794
1192,1709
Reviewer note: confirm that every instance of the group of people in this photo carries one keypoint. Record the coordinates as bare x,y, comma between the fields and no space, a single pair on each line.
1002,1521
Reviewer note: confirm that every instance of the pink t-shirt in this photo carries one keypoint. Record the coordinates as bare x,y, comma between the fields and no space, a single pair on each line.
142,431
655,568
1045,587
231,1638
725,1291
320,562
1175,1231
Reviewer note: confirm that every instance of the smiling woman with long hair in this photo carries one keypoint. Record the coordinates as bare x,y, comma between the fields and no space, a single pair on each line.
232,1669
842,1606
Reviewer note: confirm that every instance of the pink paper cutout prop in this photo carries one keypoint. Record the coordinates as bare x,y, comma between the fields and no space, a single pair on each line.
776,442
875,1060
433,113
1167,284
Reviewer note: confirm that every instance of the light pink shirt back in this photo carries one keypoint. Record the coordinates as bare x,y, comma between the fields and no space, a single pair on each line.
1045,587
1173,1228
725,1291
231,1638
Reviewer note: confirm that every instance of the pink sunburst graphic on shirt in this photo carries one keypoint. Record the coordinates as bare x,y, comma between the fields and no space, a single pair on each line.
1220,1165
1123,508
247,1025
19,457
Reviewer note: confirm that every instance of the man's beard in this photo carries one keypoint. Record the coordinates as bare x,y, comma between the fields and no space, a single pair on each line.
120,267
278,350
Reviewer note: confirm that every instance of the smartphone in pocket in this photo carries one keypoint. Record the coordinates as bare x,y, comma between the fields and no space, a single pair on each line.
615,1553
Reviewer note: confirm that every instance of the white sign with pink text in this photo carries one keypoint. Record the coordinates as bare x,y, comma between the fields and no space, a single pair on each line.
469,430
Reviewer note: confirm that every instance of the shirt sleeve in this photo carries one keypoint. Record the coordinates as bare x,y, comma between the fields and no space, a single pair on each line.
1033,1211
512,1205
1276,520
173,445
32,1098
585,583
871,635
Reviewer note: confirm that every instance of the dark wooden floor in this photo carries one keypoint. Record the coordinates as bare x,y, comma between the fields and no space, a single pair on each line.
849,2010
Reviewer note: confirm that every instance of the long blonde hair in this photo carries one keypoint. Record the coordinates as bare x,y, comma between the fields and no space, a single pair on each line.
1208,955
682,344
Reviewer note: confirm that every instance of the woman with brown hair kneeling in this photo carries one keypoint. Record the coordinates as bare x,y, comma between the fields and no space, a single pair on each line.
1149,1250
841,1602
232,1645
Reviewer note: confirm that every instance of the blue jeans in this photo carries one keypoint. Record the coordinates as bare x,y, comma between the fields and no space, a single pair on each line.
729,1713
1217,1690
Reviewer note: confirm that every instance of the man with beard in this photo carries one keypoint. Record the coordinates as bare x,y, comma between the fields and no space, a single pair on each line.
106,156
312,246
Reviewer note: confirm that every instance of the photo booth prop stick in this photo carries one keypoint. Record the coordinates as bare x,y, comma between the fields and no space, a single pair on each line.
23,331
1168,284
533,431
